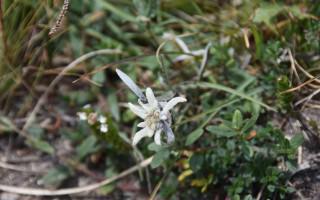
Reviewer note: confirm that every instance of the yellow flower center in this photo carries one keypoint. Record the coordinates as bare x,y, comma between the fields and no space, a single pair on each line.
153,119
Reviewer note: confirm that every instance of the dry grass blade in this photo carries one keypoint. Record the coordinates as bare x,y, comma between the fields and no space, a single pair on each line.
69,191
9,166
300,86
308,98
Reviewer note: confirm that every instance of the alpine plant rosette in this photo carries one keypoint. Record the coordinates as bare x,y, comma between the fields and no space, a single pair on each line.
156,114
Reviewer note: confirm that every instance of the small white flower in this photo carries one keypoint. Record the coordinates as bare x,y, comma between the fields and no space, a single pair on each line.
103,128
102,119
82,115
156,116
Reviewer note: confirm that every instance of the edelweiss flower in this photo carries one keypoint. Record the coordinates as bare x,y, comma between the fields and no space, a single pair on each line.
156,116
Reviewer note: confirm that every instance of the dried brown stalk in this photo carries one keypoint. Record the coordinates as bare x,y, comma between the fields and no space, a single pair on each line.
60,17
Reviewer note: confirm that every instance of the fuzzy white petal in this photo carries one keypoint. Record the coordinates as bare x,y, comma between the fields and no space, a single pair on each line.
145,132
138,110
157,137
147,107
142,124
151,98
172,103
182,45
198,52
183,58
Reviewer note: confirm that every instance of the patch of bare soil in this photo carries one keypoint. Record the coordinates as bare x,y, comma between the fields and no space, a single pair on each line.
22,167
306,180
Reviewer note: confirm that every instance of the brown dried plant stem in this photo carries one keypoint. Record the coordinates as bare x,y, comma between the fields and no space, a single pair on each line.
75,190
60,17
72,65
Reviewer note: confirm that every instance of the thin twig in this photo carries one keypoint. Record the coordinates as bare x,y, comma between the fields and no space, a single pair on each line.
308,98
204,61
9,166
305,72
300,86
44,96
293,67
75,190
260,192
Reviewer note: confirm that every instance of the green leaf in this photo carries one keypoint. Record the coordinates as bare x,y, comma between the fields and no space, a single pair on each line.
247,150
194,136
237,120
196,162
221,131
41,145
119,12
258,39
55,176
231,145
297,141
154,147
266,12
6,125
284,100
113,102
298,12
248,197
252,121
271,188
86,147
234,92
36,131
159,158
99,77
146,8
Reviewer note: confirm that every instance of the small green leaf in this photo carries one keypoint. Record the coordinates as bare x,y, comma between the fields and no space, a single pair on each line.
248,197
284,99
114,108
41,145
196,162
297,141
194,136
159,158
234,92
290,189
266,12
247,150
222,131
55,176
237,120
154,147
126,16
231,145
145,8
36,131
252,121
271,188
5,124
99,78
86,147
